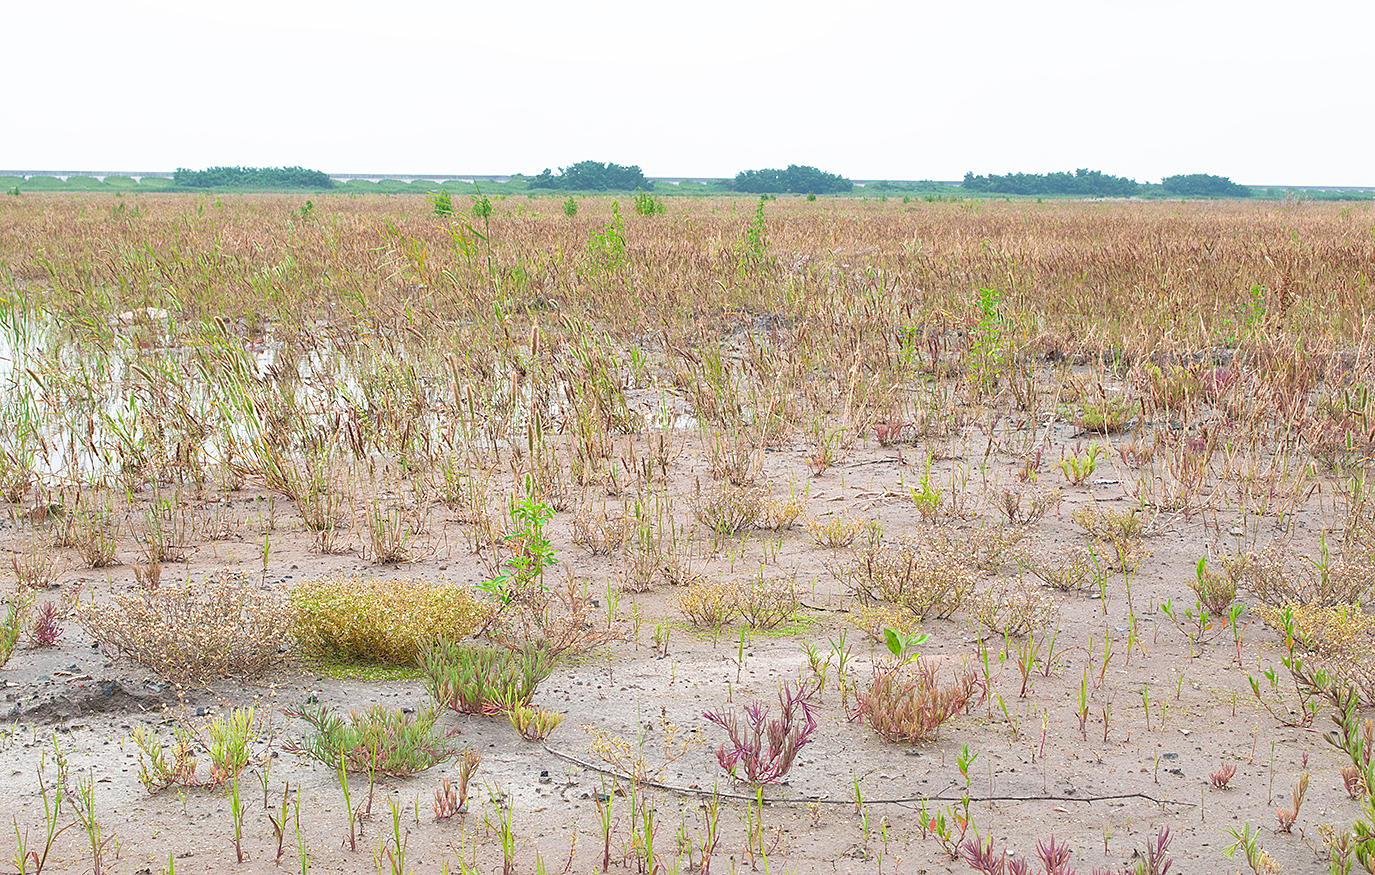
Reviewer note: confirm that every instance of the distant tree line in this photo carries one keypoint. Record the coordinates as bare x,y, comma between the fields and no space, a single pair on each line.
257,178
1095,183
1203,185
794,180
593,176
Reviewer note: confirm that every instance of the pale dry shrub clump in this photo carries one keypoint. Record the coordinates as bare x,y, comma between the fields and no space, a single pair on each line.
598,531
381,619
1325,630
761,603
836,532
767,604
562,619
1338,638
988,547
872,619
190,632
728,510
708,603
927,582
1068,572
1111,526
1331,583
780,512
1012,607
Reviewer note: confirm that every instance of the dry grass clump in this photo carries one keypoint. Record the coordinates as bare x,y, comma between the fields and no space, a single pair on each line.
34,566
767,604
96,540
1068,573
598,531
708,603
381,619
836,532
1331,583
1012,607
190,632
926,582
872,619
908,703
393,534
728,510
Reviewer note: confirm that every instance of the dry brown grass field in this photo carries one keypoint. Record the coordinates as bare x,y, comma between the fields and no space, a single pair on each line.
783,536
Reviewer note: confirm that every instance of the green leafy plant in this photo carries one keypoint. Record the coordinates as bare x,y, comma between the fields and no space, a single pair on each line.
1104,416
606,248
1356,738
224,739
1078,467
85,805
13,623
570,207
531,553
903,645
1215,591
757,236
443,203
1248,840
988,347
926,496
647,204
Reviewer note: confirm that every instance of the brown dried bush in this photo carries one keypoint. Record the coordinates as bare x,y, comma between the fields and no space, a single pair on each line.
926,582
565,619
1012,607
1330,583
708,603
766,604
190,632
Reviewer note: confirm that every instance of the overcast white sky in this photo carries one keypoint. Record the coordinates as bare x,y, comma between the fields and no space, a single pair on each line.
1263,92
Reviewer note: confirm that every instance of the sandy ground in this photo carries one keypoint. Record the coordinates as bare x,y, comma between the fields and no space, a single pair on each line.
1139,765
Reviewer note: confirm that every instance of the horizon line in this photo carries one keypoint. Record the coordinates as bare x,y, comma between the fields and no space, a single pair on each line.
504,177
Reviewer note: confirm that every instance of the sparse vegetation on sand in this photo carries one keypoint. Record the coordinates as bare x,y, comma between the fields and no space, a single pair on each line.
592,483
